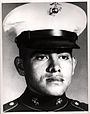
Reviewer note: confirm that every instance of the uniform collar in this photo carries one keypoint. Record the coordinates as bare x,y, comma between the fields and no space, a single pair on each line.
46,103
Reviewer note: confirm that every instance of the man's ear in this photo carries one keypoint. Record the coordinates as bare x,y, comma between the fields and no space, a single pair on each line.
19,65
74,64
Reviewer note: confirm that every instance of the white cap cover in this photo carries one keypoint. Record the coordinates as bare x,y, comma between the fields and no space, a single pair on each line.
39,16
46,25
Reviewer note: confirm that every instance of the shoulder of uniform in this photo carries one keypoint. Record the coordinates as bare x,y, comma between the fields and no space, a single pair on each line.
10,105
80,105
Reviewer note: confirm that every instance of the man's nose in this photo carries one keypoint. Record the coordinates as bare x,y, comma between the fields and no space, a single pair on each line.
53,66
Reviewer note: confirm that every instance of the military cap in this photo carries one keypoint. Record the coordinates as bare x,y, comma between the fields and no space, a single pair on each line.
46,25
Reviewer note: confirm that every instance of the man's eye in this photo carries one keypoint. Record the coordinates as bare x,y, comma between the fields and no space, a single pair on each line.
63,57
41,57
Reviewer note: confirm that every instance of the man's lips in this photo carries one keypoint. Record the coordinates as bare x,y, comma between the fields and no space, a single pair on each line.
52,79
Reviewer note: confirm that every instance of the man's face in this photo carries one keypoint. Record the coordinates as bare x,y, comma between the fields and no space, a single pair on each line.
48,73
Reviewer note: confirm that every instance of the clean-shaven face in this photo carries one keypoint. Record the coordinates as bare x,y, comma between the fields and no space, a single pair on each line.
49,73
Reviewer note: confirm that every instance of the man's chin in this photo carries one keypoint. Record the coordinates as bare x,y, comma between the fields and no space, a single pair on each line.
55,91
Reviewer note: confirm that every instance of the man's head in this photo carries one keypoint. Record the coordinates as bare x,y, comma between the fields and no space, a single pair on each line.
47,72
45,45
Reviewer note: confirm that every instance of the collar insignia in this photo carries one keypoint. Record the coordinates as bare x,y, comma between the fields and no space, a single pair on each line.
59,101
35,101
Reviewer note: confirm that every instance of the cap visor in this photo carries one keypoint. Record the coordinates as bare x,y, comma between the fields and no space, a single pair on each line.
52,45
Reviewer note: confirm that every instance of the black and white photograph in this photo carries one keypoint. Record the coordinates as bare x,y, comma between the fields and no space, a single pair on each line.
45,56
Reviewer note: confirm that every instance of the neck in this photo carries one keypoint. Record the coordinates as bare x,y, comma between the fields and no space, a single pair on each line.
30,93
34,92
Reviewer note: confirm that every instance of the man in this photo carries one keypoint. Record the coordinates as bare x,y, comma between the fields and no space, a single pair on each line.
45,54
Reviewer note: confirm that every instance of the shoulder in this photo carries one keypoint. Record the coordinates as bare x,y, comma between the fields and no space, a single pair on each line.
17,105
77,105
10,105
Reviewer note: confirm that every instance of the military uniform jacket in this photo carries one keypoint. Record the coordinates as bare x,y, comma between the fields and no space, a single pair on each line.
30,102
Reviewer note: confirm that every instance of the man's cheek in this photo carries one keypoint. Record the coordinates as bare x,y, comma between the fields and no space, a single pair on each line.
40,65
41,69
67,80
66,68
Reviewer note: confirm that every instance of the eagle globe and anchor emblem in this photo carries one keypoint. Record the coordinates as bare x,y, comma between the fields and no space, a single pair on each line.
55,8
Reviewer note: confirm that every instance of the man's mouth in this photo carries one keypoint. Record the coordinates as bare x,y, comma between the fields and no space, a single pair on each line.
55,79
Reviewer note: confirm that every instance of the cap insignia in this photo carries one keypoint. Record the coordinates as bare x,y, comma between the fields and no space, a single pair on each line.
55,8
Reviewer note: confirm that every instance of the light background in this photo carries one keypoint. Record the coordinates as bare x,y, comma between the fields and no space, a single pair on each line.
14,84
